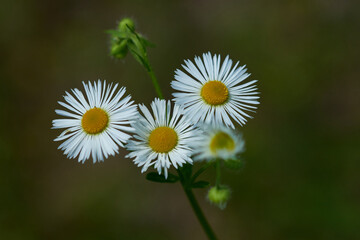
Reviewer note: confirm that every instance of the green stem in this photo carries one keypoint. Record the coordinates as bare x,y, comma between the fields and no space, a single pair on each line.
218,173
201,170
196,208
155,83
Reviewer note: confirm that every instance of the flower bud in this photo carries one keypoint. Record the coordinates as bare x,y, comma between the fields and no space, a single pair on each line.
219,196
125,24
119,50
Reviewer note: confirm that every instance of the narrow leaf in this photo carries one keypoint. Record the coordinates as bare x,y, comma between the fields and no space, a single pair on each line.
139,58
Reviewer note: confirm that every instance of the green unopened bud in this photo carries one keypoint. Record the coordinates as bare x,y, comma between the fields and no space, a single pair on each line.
119,50
219,196
125,24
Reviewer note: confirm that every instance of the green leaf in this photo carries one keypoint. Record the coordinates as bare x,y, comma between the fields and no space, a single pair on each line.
138,43
139,56
200,184
155,177
140,59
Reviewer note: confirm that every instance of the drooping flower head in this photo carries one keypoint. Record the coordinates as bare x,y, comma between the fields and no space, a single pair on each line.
162,138
218,143
212,92
95,125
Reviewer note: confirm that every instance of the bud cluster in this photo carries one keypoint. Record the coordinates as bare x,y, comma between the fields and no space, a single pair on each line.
125,39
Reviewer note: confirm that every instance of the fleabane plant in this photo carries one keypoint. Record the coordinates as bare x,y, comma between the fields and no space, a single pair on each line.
197,127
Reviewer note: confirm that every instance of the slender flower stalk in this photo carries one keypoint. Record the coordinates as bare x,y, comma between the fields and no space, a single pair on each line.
155,82
218,173
201,170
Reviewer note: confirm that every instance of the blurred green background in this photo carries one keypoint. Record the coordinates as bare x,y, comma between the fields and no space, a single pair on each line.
301,179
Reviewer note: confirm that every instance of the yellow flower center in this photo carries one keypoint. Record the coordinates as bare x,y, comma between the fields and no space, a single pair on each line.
94,121
214,92
222,141
163,139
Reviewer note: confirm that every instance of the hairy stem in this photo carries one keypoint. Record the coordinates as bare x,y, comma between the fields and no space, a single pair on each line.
155,83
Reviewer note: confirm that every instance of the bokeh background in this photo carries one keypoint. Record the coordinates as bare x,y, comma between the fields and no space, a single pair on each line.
301,178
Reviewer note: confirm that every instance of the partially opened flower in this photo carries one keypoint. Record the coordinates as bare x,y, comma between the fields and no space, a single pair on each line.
162,138
96,125
218,143
211,92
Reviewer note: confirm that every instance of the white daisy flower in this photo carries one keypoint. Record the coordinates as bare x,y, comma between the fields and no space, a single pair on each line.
163,138
95,126
218,143
212,93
